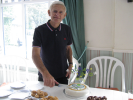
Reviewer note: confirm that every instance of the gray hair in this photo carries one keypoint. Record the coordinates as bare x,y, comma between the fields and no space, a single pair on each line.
57,3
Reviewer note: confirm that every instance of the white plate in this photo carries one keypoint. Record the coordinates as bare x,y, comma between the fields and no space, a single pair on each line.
17,85
35,87
4,93
73,97
19,95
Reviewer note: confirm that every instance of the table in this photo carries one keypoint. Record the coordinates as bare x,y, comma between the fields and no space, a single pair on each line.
58,91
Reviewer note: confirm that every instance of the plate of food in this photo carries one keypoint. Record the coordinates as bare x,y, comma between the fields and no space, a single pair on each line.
42,95
49,98
39,93
44,98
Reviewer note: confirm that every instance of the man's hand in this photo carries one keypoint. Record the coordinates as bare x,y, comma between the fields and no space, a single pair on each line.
69,57
49,80
69,71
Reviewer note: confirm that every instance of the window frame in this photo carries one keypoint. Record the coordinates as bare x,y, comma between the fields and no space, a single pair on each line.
22,3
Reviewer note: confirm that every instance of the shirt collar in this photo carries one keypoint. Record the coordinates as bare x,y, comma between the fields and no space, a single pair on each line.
52,28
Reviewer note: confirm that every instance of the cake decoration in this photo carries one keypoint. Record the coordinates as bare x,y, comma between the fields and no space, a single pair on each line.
77,87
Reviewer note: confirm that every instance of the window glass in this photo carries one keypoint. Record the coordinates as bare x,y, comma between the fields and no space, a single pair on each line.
10,1
18,23
14,39
36,14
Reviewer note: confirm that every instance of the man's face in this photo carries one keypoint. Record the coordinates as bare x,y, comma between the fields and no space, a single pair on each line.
57,13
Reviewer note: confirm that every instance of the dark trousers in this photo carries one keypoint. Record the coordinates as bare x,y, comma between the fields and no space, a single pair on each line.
62,80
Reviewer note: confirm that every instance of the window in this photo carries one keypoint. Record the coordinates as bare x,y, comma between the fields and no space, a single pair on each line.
35,16
10,1
18,19
14,40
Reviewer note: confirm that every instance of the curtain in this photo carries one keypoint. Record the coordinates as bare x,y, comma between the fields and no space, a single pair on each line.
75,19
127,60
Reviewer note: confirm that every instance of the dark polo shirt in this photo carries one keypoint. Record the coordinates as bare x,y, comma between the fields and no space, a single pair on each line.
53,43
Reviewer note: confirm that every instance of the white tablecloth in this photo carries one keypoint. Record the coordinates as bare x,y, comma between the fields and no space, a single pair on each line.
58,91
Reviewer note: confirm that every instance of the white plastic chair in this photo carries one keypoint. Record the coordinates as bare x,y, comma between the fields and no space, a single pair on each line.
11,68
111,66
74,70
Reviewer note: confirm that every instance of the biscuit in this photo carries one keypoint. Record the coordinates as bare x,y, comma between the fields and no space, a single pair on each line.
36,96
41,96
33,91
50,97
55,98
45,93
40,93
44,99
32,94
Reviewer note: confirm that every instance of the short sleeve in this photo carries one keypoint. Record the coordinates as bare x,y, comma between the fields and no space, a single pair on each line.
36,38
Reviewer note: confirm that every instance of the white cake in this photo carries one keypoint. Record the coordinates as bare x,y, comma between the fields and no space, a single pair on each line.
77,89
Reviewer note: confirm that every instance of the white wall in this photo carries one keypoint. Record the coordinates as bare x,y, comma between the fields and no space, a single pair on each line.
123,25
109,24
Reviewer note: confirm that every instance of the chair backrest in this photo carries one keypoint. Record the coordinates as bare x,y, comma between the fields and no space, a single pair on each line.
113,63
74,70
11,68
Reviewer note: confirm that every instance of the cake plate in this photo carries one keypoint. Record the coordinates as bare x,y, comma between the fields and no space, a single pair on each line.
79,97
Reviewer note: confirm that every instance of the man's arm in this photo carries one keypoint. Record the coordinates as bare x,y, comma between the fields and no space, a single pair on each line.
69,57
47,77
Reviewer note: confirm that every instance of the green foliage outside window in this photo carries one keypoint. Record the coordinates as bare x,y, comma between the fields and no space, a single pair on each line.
8,18
36,15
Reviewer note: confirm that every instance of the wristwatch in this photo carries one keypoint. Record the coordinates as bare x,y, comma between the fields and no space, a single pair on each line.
70,63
